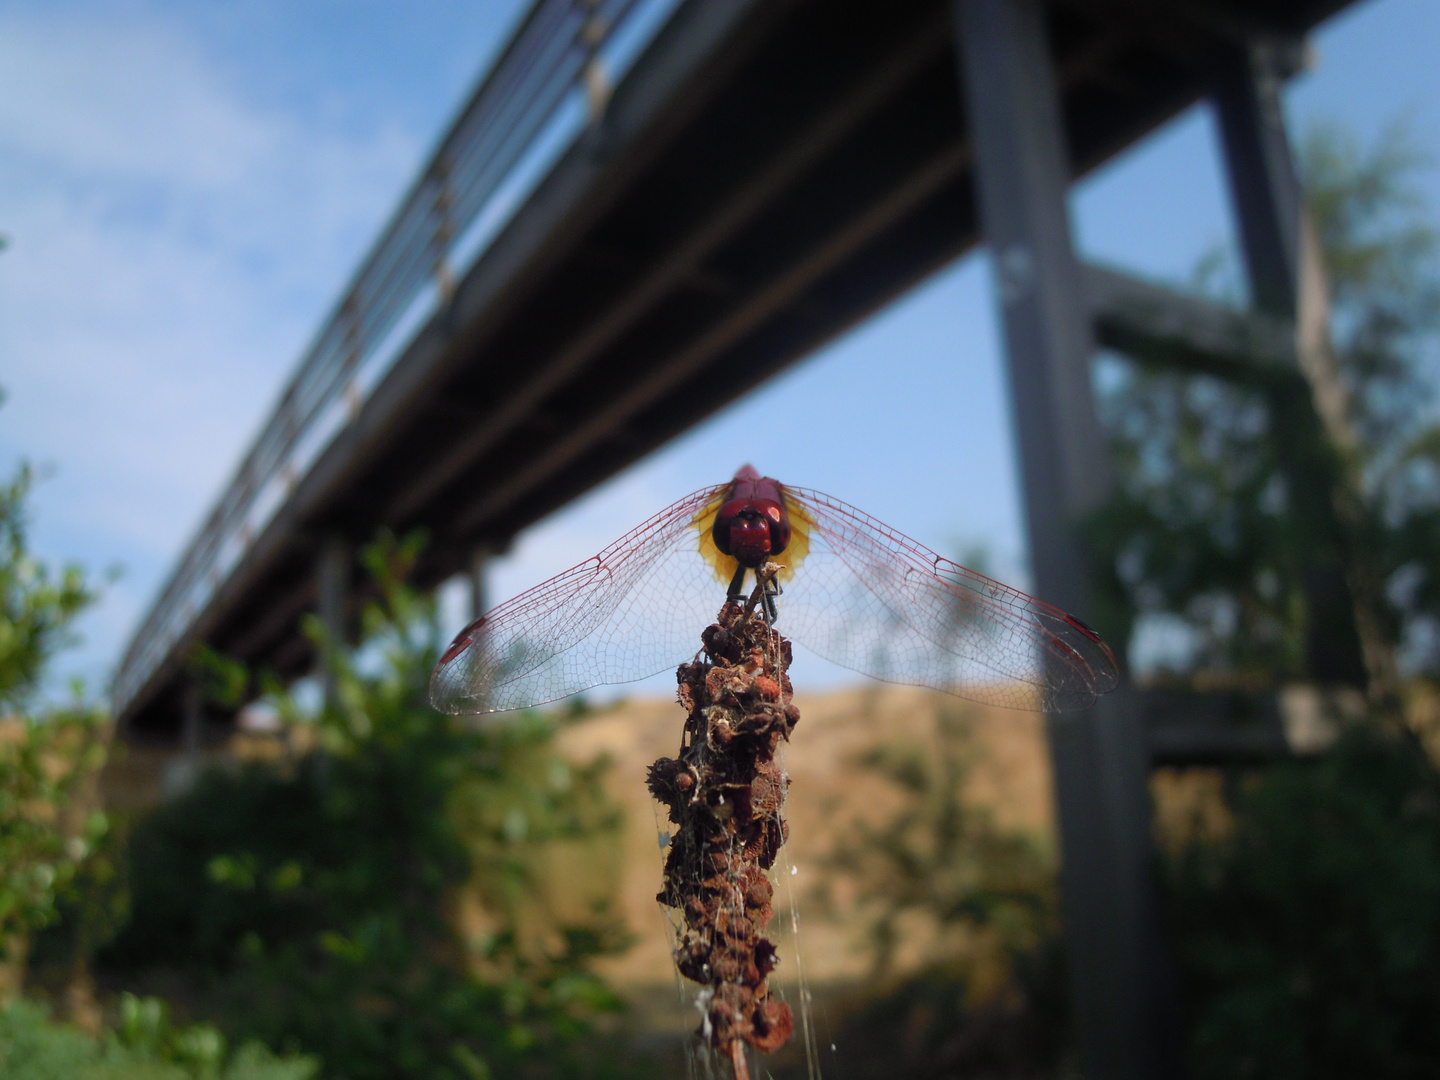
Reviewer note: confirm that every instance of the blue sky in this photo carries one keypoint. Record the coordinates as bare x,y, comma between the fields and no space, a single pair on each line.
186,187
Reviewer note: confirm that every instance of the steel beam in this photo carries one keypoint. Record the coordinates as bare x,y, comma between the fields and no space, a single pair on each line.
1263,185
686,259
332,571
477,574
192,734
1161,327
1269,206
1188,728
643,391
1100,757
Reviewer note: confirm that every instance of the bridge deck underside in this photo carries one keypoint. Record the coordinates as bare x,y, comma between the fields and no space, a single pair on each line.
748,196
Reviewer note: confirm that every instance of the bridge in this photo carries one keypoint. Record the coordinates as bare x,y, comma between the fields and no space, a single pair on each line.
649,207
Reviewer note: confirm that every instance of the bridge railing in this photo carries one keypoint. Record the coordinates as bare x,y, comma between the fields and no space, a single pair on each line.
548,84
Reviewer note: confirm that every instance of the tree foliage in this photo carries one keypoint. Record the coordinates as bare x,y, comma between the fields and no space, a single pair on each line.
315,904
1307,936
37,604
1310,938
144,1046
1200,534
47,755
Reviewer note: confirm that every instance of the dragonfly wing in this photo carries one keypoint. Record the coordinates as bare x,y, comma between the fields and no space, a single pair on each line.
871,599
633,610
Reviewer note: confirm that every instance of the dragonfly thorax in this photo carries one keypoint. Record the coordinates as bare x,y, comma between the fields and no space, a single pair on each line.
751,530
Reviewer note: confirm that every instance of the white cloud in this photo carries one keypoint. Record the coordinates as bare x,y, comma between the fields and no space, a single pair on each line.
173,246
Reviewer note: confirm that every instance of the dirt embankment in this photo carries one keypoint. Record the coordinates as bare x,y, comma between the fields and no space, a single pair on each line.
835,791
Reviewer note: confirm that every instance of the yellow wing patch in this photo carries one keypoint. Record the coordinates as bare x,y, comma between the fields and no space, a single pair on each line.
724,565
801,524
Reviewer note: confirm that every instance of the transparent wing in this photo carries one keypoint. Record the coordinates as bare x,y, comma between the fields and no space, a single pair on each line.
871,599
632,611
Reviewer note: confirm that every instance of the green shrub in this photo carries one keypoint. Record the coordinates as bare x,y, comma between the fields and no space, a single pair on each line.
47,755
1309,940
311,903
145,1047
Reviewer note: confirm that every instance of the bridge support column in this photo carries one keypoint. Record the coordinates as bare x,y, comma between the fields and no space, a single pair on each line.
1109,904
332,605
192,724
480,560
182,770
1285,268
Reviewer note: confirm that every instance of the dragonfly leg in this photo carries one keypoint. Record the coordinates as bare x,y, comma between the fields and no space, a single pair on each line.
767,588
737,585
771,590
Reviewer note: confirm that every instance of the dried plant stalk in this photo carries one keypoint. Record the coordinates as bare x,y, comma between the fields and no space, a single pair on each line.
726,797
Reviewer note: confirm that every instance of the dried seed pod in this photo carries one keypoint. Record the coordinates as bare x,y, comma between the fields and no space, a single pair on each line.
726,794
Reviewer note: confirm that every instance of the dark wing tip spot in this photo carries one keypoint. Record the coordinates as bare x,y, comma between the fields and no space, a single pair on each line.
462,641
1108,678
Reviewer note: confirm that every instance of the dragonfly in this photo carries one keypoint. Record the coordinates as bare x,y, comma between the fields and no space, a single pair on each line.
849,588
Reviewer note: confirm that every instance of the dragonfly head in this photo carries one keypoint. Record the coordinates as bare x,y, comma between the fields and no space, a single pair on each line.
751,530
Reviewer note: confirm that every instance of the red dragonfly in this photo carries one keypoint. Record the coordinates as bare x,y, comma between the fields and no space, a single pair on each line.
855,591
